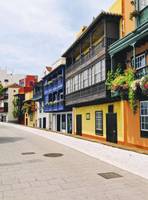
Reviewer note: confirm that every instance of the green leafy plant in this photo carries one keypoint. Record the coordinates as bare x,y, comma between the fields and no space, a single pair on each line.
122,82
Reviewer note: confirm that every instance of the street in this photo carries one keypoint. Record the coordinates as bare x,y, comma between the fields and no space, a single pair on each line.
67,174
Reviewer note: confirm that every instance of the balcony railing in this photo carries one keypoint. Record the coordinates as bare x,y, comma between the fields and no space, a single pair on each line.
56,85
105,42
54,106
88,94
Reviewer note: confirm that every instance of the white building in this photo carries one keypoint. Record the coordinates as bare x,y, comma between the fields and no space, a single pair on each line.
6,103
7,78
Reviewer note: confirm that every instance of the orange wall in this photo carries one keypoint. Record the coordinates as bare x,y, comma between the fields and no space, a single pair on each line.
132,128
124,8
128,24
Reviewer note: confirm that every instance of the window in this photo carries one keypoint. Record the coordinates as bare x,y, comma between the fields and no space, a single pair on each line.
89,77
144,116
103,77
140,61
99,122
63,122
79,78
98,72
71,85
82,77
76,83
143,4
93,75
68,87
85,80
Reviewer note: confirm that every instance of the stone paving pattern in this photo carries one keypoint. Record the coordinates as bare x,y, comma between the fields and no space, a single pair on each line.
72,176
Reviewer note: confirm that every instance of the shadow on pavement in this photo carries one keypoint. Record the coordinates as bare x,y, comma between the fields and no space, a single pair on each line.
4,140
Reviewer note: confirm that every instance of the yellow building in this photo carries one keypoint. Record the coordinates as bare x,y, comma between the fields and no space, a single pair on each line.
29,108
124,8
95,121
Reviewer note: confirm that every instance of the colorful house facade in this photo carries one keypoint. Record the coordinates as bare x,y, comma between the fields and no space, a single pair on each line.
132,51
42,117
54,98
7,103
26,85
87,65
29,109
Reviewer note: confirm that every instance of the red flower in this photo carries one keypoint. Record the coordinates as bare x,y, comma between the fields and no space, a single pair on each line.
146,85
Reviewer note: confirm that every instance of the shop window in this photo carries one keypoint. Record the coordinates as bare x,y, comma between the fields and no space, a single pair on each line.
144,118
63,122
99,122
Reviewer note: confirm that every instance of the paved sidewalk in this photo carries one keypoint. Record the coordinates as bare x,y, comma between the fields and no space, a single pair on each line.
127,160
73,176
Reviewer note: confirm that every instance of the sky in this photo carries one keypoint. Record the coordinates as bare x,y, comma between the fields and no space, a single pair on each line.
35,33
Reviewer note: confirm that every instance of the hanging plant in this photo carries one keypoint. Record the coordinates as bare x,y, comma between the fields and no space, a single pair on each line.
123,84
144,84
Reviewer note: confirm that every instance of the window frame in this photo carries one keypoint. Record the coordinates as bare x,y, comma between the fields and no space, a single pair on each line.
98,131
136,61
144,132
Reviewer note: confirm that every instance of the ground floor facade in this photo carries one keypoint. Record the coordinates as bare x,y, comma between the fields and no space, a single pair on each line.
3,117
8,117
30,119
62,122
113,122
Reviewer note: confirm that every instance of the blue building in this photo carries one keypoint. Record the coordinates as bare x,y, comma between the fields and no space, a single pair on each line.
54,98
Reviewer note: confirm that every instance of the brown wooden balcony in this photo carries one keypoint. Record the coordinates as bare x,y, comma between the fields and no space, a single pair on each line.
94,53
95,92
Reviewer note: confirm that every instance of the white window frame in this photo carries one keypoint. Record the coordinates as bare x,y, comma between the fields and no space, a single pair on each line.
99,130
137,61
142,115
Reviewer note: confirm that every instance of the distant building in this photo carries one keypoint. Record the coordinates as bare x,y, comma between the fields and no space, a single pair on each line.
7,78
26,85
7,103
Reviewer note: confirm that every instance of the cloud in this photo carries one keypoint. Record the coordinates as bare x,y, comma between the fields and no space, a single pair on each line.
34,33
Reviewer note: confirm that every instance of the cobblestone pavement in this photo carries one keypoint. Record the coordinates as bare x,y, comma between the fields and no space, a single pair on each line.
71,176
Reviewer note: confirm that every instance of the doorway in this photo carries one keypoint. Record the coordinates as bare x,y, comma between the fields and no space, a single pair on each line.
44,122
79,125
58,123
69,123
111,127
